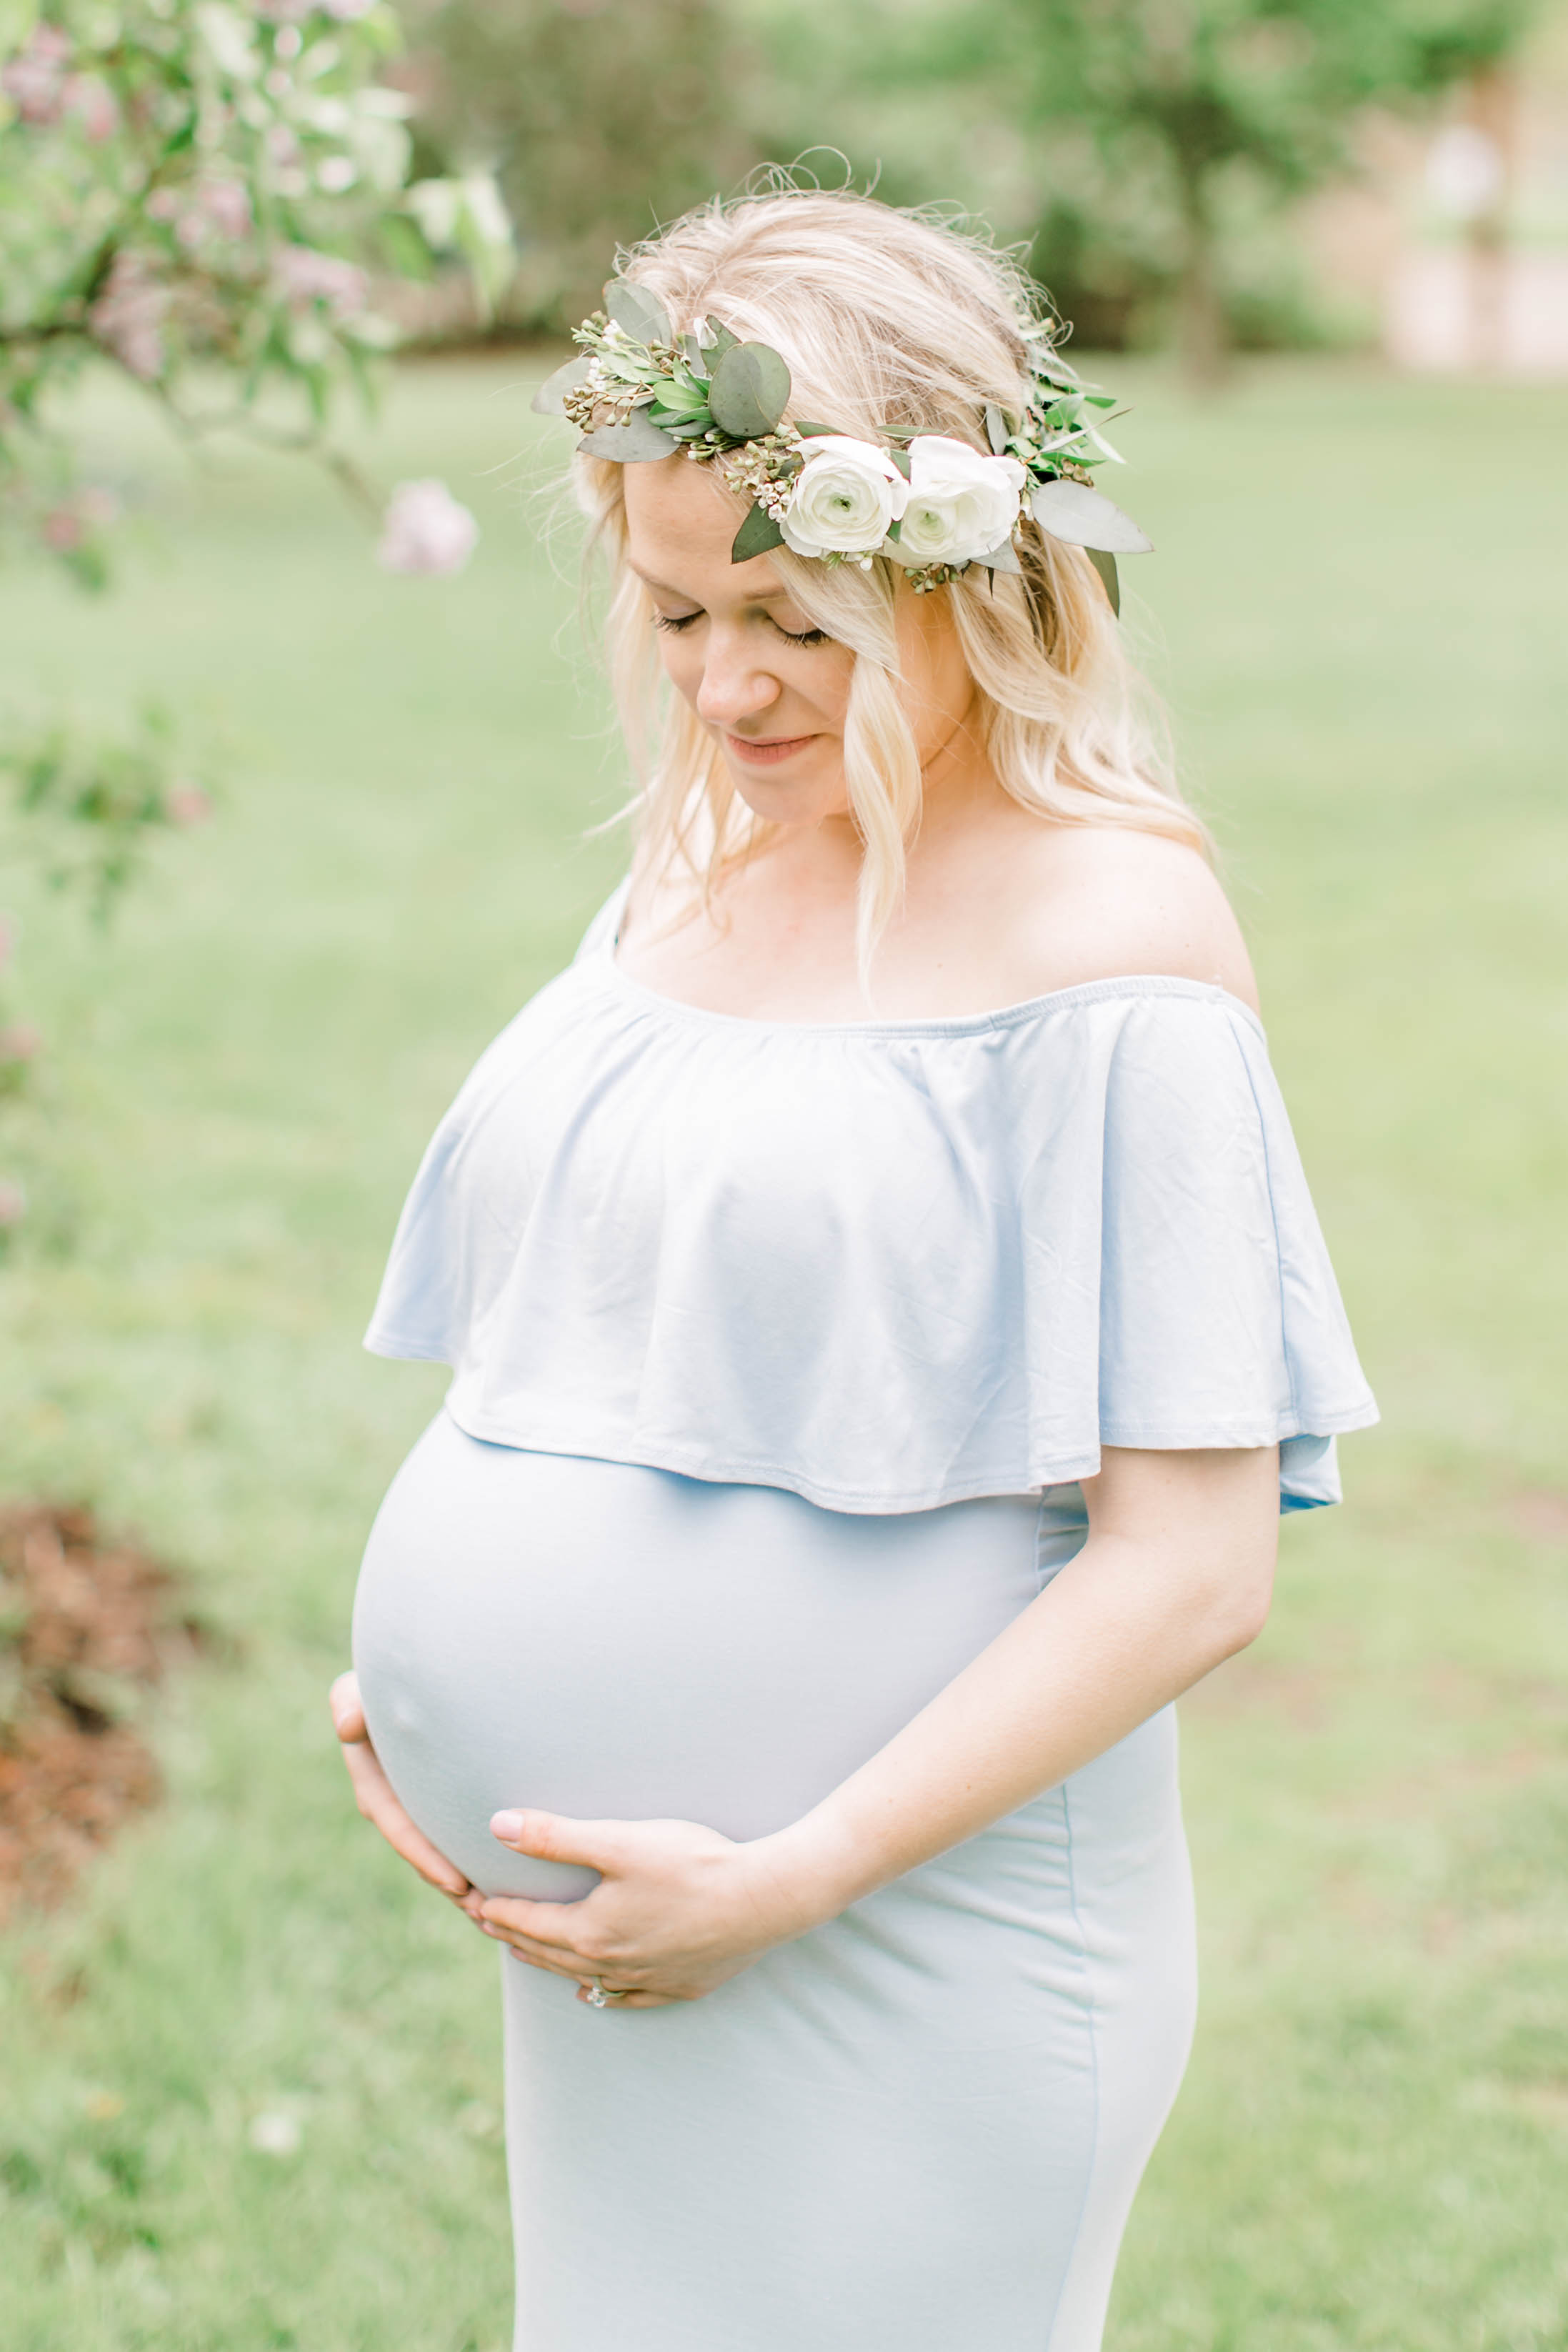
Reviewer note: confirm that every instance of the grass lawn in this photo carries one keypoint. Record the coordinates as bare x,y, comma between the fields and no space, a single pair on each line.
1358,616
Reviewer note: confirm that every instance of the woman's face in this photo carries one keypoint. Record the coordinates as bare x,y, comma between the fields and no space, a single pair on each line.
772,689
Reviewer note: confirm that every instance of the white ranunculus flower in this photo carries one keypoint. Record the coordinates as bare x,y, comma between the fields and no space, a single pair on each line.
844,497
961,503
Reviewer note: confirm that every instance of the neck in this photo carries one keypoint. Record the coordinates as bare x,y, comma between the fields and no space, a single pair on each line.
956,784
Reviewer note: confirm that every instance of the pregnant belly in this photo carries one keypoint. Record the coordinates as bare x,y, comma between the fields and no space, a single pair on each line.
611,1641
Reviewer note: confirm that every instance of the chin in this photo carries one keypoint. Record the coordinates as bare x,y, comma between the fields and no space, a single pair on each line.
798,792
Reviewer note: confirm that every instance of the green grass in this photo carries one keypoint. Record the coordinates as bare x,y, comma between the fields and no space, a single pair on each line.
1359,623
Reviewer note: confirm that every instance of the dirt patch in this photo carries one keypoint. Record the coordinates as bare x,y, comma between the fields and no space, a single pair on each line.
89,1627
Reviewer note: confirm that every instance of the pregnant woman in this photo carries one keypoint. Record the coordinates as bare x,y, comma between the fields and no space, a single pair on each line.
887,1318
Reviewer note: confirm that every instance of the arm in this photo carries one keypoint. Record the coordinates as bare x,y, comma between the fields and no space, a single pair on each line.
1174,1577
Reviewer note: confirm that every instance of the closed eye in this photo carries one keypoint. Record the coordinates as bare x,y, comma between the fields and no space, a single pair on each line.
676,622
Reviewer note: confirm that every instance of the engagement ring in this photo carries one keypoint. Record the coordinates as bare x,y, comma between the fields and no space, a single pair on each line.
597,1996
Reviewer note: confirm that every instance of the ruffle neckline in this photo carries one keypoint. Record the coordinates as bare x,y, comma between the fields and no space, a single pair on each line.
885,1275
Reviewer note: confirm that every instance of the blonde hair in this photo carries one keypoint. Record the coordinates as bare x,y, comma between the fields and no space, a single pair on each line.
887,319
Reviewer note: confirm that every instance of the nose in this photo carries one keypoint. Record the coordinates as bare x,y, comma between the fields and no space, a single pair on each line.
734,684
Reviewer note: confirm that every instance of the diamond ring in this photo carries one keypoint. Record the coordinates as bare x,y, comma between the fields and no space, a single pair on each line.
597,1996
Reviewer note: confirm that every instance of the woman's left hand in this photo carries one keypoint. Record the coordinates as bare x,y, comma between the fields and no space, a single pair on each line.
677,1910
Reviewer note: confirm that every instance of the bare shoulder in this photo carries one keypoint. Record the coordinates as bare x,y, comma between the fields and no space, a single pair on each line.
1105,902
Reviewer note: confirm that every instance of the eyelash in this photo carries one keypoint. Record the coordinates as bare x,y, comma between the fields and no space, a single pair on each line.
676,621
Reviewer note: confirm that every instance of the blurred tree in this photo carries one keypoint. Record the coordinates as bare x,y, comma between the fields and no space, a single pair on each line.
1198,92
599,117
1151,125
194,195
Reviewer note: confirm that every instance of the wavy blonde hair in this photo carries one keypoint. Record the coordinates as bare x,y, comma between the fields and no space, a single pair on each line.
887,319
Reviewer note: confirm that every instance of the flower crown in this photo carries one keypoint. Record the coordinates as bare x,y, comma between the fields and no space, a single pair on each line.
931,504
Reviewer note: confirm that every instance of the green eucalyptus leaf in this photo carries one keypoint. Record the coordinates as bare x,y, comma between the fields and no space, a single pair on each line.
1105,565
638,441
750,391
1003,557
695,356
405,247
637,313
996,428
903,460
1084,518
757,535
719,339
812,432
548,401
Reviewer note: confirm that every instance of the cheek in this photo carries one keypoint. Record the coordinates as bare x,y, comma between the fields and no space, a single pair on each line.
682,664
824,681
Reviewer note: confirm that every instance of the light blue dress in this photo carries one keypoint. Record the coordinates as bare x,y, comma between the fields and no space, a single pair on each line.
780,1353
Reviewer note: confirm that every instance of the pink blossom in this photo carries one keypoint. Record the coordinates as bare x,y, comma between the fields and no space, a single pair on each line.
187,804
305,276
13,1203
426,530
61,529
19,1043
128,316
208,208
92,102
227,205
91,509
36,79
217,208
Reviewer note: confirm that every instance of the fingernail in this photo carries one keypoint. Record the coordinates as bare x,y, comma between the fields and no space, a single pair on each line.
505,1826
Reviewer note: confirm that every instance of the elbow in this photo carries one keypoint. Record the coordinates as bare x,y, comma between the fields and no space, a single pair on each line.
1242,1603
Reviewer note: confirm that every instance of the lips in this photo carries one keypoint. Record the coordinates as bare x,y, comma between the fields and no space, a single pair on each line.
766,752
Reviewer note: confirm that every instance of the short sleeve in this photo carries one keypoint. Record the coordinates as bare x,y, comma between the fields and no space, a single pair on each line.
1220,1319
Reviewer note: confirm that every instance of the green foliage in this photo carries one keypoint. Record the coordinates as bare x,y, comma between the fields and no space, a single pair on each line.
636,311
600,119
82,806
93,800
750,387
757,535
190,191
1144,146
1369,2154
1185,96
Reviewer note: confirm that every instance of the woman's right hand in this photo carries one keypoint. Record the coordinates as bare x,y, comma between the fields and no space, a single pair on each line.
373,1795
